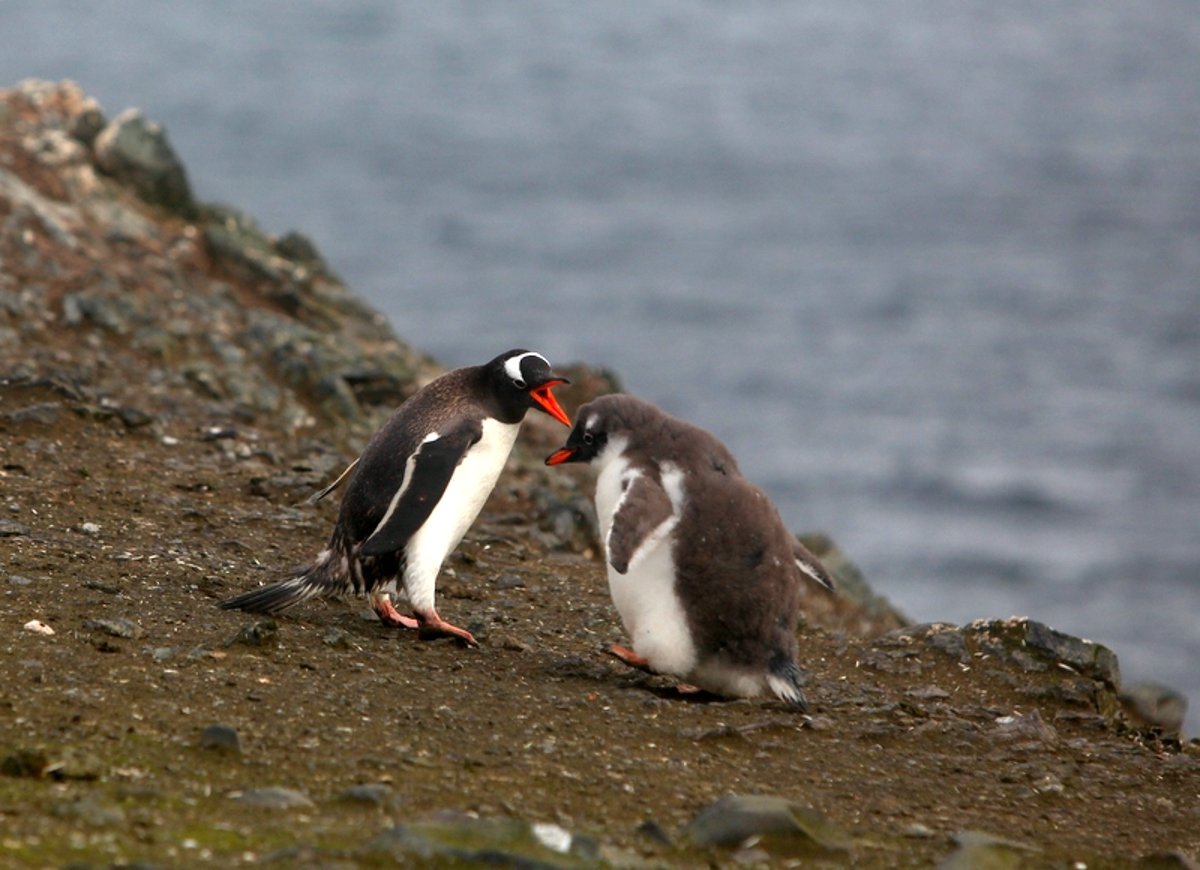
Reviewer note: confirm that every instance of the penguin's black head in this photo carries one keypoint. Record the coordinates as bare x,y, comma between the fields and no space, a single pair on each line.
522,380
589,437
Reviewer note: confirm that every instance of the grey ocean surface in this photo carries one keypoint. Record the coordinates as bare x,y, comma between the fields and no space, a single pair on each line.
931,270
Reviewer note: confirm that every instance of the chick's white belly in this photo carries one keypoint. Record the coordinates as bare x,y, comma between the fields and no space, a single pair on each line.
645,595
652,613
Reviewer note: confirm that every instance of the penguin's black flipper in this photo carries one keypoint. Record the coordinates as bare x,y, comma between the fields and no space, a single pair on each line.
644,508
426,476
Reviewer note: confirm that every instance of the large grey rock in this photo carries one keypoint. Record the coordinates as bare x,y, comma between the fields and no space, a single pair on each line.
274,798
1030,645
982,851
137,153
734,819
454,841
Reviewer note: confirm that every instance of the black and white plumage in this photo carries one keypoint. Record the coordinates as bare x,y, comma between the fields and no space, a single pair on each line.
415,490
702,571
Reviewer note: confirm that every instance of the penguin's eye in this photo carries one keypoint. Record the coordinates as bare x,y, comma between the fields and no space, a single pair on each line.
588,438
519,384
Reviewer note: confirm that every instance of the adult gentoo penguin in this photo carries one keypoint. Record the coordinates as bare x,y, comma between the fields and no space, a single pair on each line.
702,571
416,489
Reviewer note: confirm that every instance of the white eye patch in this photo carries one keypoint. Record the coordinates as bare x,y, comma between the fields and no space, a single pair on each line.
512,367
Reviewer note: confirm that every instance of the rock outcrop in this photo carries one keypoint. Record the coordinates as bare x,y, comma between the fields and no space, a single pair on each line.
117,282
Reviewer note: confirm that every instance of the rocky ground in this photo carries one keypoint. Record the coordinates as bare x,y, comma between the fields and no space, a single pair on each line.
174,384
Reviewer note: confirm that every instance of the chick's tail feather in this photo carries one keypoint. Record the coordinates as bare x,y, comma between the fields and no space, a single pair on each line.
316,581
786,681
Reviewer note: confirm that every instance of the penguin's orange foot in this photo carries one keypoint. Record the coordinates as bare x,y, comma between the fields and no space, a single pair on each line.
433,625
630,658
389,615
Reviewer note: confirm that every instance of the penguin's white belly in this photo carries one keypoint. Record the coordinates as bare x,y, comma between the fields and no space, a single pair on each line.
645,596
468,489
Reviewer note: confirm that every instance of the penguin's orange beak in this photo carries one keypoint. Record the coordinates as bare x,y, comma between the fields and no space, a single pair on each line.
558,457
546,401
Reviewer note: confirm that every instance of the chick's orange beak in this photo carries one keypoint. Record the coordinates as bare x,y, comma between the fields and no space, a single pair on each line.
548,403
558,457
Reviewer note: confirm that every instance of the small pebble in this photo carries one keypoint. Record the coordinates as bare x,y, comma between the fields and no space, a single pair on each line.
222,737
552,836
38,627
116,627
509,581
273,798
376,793
90,529
13,529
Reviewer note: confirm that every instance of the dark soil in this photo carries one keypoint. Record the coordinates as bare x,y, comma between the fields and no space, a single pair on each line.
903,748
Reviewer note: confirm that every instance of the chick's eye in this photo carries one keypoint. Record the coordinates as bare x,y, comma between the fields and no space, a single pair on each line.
519,384
588,437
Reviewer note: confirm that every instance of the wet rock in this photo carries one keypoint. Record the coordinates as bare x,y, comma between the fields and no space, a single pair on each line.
373,793
1030,726
1153,705
509,581
105,308
259,634
223,738
339,638
917,831
13,529
734,819
512,643
274,798
452,839
44,414
1048,784
133,418
1089,673
299,248
87,124
136,152
927,693
980,851
236,240
116,627
1019,634
91,812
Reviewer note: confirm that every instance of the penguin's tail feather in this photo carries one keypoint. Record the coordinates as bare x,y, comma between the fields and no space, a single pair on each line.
786,680
316,581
